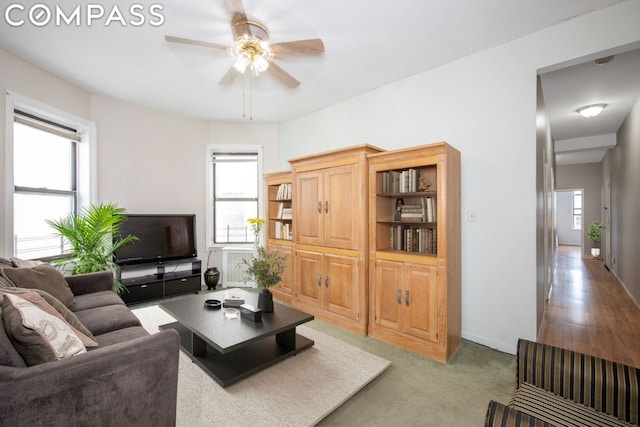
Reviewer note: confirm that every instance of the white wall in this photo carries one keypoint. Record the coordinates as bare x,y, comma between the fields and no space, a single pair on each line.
148,161
22,78
484,105
621,165
155,162
567,235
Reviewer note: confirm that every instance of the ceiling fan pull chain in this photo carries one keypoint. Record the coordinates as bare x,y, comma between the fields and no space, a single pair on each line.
250,97
243,97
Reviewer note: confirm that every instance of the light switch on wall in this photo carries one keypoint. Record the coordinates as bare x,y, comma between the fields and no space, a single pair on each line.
471,215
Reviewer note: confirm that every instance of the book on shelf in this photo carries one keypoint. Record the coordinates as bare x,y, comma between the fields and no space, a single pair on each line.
284,192
405,181
284,212
413,239
283,230
287,213
233,298
425,211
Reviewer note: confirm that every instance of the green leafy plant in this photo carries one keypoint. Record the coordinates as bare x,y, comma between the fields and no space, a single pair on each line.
265,269
94,237
593,232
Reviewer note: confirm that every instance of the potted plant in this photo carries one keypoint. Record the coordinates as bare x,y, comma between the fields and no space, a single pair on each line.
593,232
265,268
93,234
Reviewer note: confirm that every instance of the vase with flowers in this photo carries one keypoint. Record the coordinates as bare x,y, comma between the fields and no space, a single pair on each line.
264,267
256,226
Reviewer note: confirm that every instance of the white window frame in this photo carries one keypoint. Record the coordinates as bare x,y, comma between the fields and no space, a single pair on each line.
228,148
573,209
86,150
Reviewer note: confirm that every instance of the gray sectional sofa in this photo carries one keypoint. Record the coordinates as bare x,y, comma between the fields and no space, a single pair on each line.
128,379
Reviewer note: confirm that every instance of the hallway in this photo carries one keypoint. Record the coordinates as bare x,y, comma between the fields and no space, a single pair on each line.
589,311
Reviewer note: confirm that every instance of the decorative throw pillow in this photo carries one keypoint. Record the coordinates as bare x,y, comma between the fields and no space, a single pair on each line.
51,305
25,263
42,277
5,283
37,335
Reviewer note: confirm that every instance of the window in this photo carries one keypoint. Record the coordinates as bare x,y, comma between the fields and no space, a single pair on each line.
577,210
234,193
48,176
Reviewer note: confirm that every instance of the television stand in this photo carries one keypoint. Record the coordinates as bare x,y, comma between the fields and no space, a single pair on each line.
155,280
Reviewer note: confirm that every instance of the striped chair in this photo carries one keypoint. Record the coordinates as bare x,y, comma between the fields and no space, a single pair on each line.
559,387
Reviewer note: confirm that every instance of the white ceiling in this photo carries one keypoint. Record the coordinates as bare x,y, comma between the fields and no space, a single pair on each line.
617,84
368,43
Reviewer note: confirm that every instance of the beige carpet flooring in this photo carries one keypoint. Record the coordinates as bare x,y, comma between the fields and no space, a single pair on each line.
299,391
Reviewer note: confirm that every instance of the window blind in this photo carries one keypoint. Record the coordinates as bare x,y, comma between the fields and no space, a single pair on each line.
46,125
234,157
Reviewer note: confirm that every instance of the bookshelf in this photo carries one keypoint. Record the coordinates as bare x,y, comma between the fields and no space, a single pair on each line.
414,249
279,226
279,211
407,210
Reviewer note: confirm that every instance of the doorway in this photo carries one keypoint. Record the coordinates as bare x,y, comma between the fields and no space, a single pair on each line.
569,214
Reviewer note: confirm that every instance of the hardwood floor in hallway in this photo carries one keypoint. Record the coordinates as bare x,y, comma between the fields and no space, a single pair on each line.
590,311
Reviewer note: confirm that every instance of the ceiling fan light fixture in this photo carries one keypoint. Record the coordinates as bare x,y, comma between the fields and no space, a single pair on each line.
591,110
241,64
251,52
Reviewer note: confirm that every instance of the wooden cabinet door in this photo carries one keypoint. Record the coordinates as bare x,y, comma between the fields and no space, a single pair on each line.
286,283
341,285
340,207
388,294
309,208
309,278
420,301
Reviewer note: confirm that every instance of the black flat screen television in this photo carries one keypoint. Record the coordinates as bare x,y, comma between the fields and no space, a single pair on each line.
160,238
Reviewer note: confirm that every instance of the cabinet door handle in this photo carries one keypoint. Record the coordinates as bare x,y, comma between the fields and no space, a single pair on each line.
399,296
319,280
326,206
319,207
406,298
326,281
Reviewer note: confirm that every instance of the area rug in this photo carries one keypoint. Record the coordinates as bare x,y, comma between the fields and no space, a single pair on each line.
298,391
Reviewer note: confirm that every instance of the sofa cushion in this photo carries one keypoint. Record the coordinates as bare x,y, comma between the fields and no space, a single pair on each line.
120,335
25,263
6,283
42,277
95,299
46,301
38,336
555,410
9,356
501,415
101,320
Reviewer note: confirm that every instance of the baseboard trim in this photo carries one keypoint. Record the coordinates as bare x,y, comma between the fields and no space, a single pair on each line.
625,288
496,345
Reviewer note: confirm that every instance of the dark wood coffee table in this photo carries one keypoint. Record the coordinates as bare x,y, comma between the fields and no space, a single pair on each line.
232,349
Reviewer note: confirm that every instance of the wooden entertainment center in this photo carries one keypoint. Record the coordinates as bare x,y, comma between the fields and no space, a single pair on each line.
170,278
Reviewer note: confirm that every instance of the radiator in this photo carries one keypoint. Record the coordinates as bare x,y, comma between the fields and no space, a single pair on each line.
232,271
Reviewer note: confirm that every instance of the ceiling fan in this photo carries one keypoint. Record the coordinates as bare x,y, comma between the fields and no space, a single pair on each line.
251,49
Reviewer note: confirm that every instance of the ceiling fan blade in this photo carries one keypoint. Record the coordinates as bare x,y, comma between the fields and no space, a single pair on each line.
299,47
282,75
173,39
229,76
239,21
